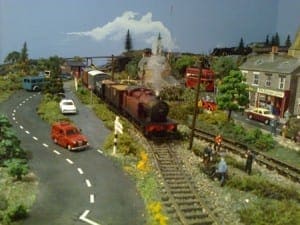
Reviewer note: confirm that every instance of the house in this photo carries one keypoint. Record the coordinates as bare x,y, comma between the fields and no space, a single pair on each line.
73,67
274,80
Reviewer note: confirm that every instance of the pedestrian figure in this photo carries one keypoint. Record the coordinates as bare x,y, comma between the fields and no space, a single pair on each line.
218,141
207,155
249,161
273,124
221,171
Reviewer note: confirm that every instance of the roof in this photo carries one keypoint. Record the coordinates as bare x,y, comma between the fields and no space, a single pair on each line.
272,63
75,63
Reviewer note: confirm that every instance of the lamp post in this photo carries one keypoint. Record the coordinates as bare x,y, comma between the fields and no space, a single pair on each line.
196,105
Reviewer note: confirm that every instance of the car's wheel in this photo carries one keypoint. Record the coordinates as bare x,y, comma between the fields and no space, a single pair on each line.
250,116
267,122
55,140
69,147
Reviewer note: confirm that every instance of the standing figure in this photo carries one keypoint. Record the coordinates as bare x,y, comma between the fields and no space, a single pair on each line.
222,171
207,155
218,141
249,161
274,124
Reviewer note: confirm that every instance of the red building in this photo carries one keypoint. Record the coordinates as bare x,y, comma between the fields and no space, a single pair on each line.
192,78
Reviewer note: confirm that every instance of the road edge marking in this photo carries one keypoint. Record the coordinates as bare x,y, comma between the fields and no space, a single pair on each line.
84,218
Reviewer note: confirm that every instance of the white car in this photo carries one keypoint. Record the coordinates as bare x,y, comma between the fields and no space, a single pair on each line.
67,106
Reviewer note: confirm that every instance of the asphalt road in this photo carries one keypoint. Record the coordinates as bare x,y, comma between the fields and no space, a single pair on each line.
74,187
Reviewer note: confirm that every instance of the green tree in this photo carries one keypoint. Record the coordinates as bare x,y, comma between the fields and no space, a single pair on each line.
132,67
24,61
241,46
222,66
9,143
17,168
54,84
277,39
288,42
267,42
183,62
232,92
128,42
12,57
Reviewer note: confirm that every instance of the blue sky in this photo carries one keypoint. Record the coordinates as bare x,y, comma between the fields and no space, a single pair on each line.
70,28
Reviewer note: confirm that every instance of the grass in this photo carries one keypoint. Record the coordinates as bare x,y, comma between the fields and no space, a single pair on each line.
14,193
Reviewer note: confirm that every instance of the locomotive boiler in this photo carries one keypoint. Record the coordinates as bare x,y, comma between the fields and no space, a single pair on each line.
139,104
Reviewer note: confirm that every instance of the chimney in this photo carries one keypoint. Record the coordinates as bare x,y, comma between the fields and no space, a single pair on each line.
273,52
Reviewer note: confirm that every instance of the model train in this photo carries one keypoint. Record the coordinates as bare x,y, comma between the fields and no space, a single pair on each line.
138,103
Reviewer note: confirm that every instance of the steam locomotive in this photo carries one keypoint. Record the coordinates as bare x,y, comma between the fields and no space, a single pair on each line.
138,103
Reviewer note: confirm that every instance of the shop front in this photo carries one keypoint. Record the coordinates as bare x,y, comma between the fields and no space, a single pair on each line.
275,101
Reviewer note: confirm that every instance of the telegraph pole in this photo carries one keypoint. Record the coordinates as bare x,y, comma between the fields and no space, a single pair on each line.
196,106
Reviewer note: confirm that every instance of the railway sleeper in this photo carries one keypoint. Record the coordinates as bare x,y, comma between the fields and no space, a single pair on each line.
182,186
175,182
195,215
179,197
193,208
172,173
174,177
188,202
181,191
203,221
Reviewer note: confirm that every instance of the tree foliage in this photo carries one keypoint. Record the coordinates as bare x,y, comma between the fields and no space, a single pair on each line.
128,42
223,65
232,92
9,144
17,168
183,62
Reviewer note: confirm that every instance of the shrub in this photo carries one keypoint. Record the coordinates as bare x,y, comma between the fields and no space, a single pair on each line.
271,212
17,168
17,213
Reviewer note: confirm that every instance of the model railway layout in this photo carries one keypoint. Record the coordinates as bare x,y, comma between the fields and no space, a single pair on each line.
281,167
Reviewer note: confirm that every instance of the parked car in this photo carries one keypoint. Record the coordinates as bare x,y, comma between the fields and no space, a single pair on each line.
260,114
67,106
68,136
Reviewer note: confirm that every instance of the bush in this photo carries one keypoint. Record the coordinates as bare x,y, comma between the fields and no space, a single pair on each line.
267,212
18,213
17,168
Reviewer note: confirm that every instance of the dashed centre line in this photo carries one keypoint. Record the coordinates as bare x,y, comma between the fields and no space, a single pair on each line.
80,170
21,127
27,132
35,138
56,152
70,161
88,183
45,145
92,198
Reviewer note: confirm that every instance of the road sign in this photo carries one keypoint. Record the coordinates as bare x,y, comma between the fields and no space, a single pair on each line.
118,126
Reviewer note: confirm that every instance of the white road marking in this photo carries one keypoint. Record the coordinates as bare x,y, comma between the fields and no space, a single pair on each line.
70,161
35,138
13,114
99,151
83,218
20,104
27,132
14,110
45,145
23,102
21,127
14,118
88,183
92,198
56,152
80,170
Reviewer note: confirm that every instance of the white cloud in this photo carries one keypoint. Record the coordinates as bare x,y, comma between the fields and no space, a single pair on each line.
143,29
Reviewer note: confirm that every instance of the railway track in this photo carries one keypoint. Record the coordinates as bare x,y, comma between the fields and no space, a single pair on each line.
271,163
179,195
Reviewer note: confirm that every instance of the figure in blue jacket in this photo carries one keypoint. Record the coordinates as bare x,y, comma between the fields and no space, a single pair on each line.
222,170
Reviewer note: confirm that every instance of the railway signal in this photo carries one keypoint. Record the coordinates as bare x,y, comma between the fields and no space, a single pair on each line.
118,129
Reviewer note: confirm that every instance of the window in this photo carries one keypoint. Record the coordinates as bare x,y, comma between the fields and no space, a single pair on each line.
281,82
255,78
268,81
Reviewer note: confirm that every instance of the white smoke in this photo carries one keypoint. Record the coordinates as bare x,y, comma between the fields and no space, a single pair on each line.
143,29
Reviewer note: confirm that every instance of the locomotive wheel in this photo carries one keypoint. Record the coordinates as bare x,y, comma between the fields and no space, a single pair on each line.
55,140
267,122
250,117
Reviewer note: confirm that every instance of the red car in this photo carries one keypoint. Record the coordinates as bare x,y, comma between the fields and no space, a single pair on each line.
69,136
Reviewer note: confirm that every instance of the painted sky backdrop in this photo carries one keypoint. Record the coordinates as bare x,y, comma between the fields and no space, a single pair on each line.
70,28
